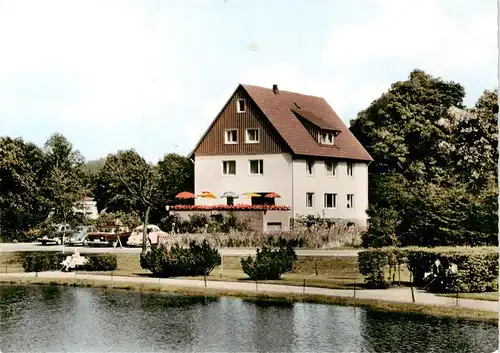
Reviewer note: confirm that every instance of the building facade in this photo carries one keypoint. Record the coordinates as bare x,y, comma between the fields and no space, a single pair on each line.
87,207
266,140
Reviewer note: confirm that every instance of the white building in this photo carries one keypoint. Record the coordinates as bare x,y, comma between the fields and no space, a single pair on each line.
87,207
265,140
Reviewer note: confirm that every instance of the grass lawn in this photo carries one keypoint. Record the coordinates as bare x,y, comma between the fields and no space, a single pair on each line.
492,296
332,272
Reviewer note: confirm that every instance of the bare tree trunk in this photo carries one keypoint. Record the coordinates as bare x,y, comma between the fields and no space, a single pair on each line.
145,235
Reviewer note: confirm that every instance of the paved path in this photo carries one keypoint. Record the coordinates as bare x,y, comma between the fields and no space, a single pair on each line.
399,295
15,247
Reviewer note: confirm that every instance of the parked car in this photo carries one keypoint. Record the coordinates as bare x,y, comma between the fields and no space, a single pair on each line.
108,235
56,234
79,236
154,233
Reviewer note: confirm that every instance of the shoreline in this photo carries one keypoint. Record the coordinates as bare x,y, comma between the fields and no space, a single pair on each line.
191,289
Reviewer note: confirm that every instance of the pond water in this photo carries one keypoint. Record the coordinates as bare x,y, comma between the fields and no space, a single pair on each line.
69,319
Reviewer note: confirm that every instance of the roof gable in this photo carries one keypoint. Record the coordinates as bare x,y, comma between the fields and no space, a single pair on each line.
281,110
270,140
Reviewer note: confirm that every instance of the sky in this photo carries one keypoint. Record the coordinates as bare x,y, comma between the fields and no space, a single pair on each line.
151,75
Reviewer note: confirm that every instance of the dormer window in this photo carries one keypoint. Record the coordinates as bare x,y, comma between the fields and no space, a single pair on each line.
240,106
327,138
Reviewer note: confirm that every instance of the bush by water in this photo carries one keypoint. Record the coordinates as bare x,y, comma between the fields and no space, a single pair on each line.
269,264
196,260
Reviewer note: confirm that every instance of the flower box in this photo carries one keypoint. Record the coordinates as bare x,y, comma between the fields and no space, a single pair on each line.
237,207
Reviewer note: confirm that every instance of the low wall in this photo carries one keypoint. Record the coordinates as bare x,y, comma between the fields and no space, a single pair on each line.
256,219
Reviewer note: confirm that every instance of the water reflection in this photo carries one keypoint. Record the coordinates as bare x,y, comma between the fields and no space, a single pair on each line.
424,334
59,319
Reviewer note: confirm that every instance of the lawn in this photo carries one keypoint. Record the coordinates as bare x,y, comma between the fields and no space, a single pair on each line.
492,296
320,271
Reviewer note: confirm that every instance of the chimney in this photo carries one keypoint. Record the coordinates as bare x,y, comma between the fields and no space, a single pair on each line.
275,89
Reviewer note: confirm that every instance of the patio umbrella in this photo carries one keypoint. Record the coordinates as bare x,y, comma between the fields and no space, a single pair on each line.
207,195
185,195
229,194
273,195
251,194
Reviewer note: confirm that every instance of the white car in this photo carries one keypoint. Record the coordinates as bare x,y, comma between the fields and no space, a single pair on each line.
154,232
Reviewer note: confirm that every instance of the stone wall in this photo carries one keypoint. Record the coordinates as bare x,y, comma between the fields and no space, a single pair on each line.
256,219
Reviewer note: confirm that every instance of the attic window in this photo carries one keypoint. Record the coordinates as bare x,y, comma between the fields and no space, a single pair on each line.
231,136
240,106
327,138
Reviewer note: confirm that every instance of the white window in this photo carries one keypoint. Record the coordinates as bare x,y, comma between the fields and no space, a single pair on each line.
330,168
330,200
229,167
310,167
252,136
240,106
350,201
257,166
310,199
327,138
350,169
231,136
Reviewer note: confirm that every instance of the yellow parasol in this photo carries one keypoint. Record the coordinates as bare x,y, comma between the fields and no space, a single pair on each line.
207,195
251,194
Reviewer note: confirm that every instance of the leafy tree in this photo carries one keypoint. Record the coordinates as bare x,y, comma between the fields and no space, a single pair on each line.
176,174
22,204
474,143
430,184
63,177
128,183
36,181
401,129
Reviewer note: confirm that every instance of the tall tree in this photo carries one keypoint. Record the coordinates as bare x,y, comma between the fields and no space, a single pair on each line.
127,180
402,131
176,174
428,154
63,179
474,143
22,204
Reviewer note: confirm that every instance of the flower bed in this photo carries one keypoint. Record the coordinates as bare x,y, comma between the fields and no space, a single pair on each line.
237,207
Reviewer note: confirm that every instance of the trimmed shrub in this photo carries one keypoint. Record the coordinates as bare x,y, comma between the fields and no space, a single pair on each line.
100,262
269,264
197,260
372,264
477,267
51,261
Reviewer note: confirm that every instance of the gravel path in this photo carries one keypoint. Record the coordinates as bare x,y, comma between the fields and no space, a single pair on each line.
399,295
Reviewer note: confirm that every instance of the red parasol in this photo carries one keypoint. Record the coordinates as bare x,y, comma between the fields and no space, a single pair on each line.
273,195
185,195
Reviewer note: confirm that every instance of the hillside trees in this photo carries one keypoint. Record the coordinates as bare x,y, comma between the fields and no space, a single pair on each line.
430,183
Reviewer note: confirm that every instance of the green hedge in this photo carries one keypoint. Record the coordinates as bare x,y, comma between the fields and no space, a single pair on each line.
197,260
269,264
477,267
51,261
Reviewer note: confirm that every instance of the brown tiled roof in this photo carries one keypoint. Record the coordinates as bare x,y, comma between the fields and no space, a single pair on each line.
278,108
307,115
